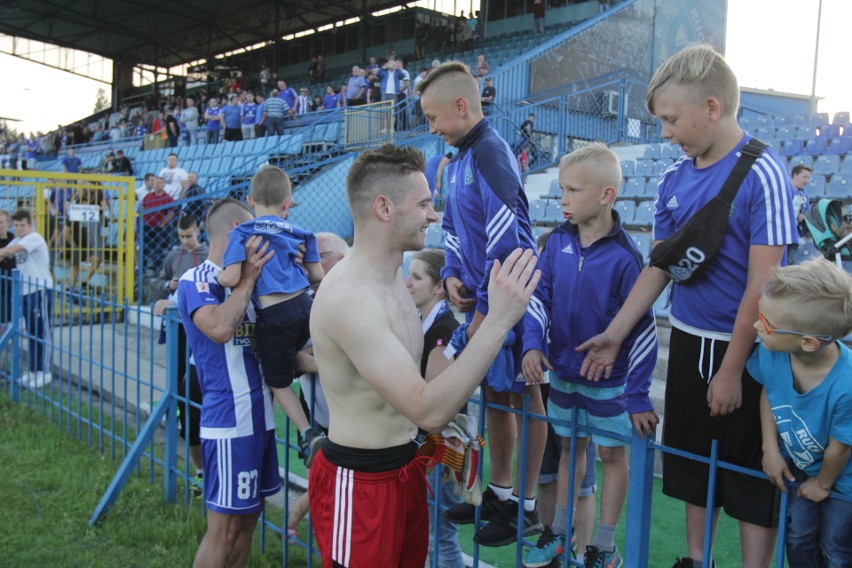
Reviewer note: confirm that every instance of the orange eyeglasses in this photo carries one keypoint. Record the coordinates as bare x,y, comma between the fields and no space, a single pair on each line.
770,329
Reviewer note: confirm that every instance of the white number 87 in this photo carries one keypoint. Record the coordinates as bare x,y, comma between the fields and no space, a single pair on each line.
247,484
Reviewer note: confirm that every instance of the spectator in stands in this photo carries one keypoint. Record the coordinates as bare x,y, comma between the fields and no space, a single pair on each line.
312,70
7,265
320,69
274,111
259,129
604,5
212,321
489,93
373,67
121,164
249,116
481,69
265,77
801,176
174,176
84,237
415,94
139,129
33,260
116,133
316,104
188,255
303,101
142,190
196,207
487,188
356,88
288,95
709,393
172,127
374,88
805,410
232,120
106,163
213,117
71,163
189,116
421,35
331,100
391,78
156,233
538,9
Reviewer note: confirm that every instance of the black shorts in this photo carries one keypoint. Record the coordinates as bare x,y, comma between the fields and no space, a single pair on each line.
688,426
281,331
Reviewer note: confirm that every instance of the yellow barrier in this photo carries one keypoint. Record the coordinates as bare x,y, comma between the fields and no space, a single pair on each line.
366,123
88,221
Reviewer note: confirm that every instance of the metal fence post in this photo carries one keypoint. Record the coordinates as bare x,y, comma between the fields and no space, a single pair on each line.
639,497
15,338
172,354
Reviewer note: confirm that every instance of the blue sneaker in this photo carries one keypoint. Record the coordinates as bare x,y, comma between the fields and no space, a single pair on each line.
548,547
597,558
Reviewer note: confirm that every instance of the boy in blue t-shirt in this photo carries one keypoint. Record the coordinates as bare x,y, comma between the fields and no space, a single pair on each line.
285,309
806,405
588,268
709,394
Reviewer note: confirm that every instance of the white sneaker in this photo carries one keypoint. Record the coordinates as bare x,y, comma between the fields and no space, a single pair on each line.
26,379
41,379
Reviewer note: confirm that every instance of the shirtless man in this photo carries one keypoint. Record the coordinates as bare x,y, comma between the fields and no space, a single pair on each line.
367,487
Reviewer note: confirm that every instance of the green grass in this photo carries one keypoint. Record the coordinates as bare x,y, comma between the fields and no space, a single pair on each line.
52,483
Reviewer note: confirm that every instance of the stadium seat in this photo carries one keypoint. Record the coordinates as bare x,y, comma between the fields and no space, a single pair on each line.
816,187
626,210
761,120
840,118
662,305
634,187
840,145
816,147
828,131
791,147
846,166
652,151
764,133
827,164
434,236
553,212
332,133
627,168
538,211
553,191
819,119
642,242
539,231
780,121
805,132
651,187
804,159
785,133
661,165
644,216
644,168
746,121
840,187
670,151
799,120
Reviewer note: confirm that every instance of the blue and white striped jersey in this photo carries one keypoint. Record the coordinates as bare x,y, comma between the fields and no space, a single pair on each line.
237,401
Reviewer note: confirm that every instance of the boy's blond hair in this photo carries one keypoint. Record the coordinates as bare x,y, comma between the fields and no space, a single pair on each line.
270,187
455,80
703,71
818,296
603,163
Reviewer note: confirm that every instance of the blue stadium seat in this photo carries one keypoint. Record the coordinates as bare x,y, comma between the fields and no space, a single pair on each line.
332,133
816,187
538,211
785,133
780,121
661,165
840,118
816,147
840,145
662,305
670,151
791,147
827,164
804,159
764,133
652,151
634,187
553,212
846,166
762,120
819,119
805,132
840,187
553,191
807,251
799,120
828,131
644,168
627,168
626,210
644,216
434,236
746,121
642,242
539,231
651,187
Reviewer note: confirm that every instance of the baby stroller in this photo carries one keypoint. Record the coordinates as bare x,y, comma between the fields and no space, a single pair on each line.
830,229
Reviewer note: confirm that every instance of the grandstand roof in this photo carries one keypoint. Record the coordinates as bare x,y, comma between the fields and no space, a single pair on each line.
171,32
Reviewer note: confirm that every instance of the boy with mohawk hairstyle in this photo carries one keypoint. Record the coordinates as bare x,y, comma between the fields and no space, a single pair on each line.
806,405
709,393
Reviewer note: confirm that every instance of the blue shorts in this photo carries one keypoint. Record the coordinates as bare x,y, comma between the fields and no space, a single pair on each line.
550,464
599,408
240,472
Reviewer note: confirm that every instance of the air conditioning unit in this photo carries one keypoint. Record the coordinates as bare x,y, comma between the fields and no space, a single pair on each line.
609,103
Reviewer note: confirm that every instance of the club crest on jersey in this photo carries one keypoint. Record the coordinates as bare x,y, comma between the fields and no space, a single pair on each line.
244,334
272,226
468,176
202,287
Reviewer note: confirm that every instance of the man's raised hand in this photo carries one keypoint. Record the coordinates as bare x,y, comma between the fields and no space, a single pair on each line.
511,285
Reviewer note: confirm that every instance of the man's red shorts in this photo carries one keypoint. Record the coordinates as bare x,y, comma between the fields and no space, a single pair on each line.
369,519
